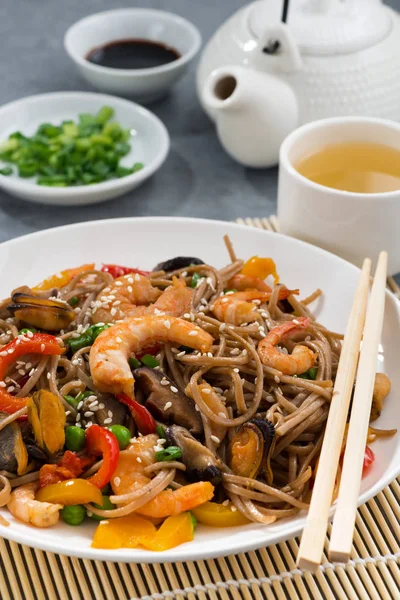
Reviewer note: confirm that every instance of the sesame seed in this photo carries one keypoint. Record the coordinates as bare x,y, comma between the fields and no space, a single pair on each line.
11,388
180,354
210,355
78,417
118,283
186,316
130,280
236,370
117,481
222,326
17,342
174,389
67,412
222,415
78,425
89,513
233,508
48,375
215,439
88,413
118,339
3,353
162,441
168,324
42,347
113,312
137,277
138,459
130,289
167,405
225,503
225,300
107,421
235,351
2,384
29,334
101,406
296,322
110,414
93,404
31,372
11,350
193,333
276,379
164,382
206,391
80,405
75,362
117,302
218,390
228,294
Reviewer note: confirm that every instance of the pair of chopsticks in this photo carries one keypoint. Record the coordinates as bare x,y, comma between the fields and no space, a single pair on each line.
365,322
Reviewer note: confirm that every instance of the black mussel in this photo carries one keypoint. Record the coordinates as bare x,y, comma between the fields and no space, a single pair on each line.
158,392
13,453
200,462
35,452
43,313
179,262
249,449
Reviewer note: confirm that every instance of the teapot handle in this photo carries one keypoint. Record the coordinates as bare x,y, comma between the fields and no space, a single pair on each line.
277,44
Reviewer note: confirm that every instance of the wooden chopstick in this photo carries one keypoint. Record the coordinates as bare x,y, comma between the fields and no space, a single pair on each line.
312,541
345,515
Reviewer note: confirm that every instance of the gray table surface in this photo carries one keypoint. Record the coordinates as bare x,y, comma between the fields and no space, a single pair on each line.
198,179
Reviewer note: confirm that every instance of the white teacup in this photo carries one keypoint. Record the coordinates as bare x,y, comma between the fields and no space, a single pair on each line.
349,224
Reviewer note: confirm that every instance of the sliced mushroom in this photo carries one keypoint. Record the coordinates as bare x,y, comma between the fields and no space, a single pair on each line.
179,262
165,404
249,449
201,464
51,315
382,387
13,453
110,409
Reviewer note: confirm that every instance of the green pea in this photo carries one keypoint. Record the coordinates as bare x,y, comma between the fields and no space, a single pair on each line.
74,438
73,515
106,505
122,434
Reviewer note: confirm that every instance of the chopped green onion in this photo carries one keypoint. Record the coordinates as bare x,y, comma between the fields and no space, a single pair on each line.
194,520
82,395
87,338
161,431
171,453
104,114
6,171
72,401
134,363
74,301
310,374
149,361
230,290
195,279
26,329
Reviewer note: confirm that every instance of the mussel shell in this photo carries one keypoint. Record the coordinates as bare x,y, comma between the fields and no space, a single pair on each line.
179,262
43,313
13,453
249,448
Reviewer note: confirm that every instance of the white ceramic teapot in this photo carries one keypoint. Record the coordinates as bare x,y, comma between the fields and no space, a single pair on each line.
259,78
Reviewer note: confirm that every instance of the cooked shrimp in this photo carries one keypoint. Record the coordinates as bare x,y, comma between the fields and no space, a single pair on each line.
129,476
23,506
302,357
237,308
133,295
109,354
243,283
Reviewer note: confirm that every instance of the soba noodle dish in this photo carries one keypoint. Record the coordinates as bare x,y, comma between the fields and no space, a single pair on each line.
149,402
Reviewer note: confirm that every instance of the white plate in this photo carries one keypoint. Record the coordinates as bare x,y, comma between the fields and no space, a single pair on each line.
144,242
149,140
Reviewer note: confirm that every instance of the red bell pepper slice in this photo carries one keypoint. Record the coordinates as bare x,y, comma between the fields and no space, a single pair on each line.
100,441
70,466
369,458
117,270
143,419
39,343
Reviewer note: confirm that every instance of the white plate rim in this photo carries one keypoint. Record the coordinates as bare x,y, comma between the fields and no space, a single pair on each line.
181,553
20,184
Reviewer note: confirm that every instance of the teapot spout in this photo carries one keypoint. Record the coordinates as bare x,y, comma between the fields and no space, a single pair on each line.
254,111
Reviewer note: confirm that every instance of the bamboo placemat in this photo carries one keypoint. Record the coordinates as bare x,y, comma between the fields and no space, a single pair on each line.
270,573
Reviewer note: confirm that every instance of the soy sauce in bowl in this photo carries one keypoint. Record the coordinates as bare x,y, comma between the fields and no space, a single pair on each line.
132,54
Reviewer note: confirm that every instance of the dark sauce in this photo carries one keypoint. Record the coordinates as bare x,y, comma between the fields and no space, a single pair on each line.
132,54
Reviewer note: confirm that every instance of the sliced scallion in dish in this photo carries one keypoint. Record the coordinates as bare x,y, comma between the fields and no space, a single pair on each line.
82,153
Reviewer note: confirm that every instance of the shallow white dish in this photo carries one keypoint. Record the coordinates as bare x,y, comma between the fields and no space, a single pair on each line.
149,140
143,85
299,264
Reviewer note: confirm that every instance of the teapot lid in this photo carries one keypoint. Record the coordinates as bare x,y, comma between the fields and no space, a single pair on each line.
326,26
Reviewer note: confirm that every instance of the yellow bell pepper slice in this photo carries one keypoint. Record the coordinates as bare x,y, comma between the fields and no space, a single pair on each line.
60,279
123,532
174,531
260,267
71,491
218,515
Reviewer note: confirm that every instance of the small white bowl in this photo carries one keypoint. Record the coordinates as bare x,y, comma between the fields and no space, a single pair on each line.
144,85
149,144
